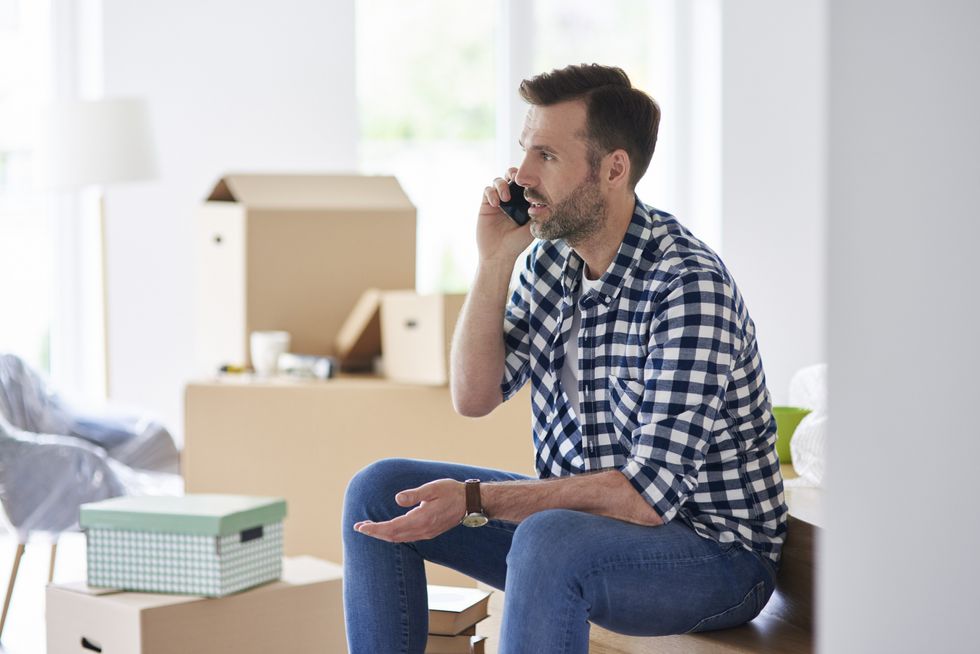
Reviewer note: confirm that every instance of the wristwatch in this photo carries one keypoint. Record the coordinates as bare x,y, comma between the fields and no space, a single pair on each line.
474,516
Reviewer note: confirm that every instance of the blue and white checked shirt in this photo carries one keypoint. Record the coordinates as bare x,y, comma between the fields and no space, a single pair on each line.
670,383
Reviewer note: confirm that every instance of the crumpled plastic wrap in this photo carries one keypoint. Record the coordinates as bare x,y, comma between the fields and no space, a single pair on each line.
44,478
29,404
52,461
808,447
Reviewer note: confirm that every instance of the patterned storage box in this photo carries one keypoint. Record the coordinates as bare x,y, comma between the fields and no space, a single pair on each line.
210,545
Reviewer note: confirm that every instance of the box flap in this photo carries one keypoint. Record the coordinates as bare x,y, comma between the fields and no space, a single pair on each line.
122,598
198,514
359,340
84,589
353,192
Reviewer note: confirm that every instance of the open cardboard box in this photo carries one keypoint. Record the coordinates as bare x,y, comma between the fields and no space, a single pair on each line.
294,253
412,334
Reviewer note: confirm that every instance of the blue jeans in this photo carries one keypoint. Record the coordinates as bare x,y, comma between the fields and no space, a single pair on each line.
561,570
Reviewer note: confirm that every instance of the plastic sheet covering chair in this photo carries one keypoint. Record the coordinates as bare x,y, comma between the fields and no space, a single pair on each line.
45,477
28,403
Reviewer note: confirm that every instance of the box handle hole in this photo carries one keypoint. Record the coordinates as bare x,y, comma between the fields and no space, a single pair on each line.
217,239
251,534
411,324
89,645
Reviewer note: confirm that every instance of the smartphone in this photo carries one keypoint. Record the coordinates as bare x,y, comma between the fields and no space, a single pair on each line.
517,206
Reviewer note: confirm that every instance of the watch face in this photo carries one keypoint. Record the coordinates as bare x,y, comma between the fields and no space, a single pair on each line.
474,520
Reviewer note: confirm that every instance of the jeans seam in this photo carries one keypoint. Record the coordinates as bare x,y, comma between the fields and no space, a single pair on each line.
754,593
613,564
402,597
573,597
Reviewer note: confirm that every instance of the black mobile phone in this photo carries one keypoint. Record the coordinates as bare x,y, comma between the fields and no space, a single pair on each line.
517,206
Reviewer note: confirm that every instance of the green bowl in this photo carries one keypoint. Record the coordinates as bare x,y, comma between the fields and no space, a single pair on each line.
787,419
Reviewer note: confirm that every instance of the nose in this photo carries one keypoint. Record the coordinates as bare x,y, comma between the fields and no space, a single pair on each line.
525,175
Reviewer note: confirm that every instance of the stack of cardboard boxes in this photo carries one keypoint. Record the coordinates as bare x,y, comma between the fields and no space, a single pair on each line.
194,574
331,260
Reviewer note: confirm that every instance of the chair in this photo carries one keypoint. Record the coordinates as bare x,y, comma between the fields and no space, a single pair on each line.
45,477
27,403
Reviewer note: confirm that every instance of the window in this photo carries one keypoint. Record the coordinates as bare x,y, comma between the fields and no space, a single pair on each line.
425,74
26,255
635,35
437,86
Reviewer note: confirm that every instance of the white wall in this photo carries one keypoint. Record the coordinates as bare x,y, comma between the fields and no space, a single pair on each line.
773,179
244,86
899,568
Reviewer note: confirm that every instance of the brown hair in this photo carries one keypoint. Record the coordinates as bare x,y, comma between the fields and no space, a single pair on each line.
618,116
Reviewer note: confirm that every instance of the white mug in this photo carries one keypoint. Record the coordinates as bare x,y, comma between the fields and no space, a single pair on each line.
266,346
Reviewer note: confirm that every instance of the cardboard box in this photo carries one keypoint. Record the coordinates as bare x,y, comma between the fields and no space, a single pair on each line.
304,440
200,544
416,334
301,613
411,333
294,253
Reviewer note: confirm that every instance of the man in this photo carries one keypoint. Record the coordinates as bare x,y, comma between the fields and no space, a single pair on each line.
659,507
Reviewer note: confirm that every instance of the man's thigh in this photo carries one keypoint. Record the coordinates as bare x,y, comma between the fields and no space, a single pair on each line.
634,579
478,552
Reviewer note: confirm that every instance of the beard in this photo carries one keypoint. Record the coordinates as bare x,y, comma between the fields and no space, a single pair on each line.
579,216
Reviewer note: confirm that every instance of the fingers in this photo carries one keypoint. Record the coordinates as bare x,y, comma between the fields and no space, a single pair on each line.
499,191
408,497
412,526
438,506
496,193
386,531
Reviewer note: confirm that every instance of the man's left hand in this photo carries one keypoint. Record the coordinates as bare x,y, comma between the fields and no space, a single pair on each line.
440,506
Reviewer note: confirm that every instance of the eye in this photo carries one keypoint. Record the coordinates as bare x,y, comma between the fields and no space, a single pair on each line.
547,156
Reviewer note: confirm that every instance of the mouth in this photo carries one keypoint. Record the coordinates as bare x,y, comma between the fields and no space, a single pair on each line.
536,208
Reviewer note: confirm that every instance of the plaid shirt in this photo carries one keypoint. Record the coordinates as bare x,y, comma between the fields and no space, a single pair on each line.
670,383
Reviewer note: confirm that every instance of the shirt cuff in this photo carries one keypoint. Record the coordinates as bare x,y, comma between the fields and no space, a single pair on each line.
647,482
509,388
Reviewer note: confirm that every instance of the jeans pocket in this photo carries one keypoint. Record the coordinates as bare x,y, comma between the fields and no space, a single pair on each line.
741,613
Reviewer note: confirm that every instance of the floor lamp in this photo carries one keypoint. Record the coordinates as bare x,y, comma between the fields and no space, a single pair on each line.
96,143
83,144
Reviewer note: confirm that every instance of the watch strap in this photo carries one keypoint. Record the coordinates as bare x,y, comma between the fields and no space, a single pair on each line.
474,504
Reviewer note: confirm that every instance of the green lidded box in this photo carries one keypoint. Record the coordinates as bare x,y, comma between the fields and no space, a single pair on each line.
211,545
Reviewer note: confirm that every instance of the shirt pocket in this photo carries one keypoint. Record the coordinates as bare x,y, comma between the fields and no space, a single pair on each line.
625,399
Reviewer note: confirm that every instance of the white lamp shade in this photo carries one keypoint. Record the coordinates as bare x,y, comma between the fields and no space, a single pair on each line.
95,142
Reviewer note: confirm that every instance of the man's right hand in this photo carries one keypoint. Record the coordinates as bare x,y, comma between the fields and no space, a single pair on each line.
498,238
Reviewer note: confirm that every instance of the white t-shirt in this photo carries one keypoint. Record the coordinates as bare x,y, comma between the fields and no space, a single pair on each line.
569,371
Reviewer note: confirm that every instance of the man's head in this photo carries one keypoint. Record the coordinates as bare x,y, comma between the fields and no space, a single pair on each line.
588,137
618,116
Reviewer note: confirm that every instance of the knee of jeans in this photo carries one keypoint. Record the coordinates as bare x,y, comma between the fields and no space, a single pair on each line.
371,489
545,541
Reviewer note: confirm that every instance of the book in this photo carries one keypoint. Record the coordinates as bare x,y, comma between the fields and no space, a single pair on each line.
462,644
453,610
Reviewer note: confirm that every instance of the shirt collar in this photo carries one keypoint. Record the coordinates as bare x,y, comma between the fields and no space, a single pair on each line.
623,267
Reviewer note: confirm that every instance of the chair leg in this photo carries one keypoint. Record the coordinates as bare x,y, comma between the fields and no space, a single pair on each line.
10,585
54,553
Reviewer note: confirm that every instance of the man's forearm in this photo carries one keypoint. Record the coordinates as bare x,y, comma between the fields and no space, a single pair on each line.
478,351
606,493
439,505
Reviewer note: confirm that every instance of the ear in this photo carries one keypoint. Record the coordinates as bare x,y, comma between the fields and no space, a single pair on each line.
617,169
